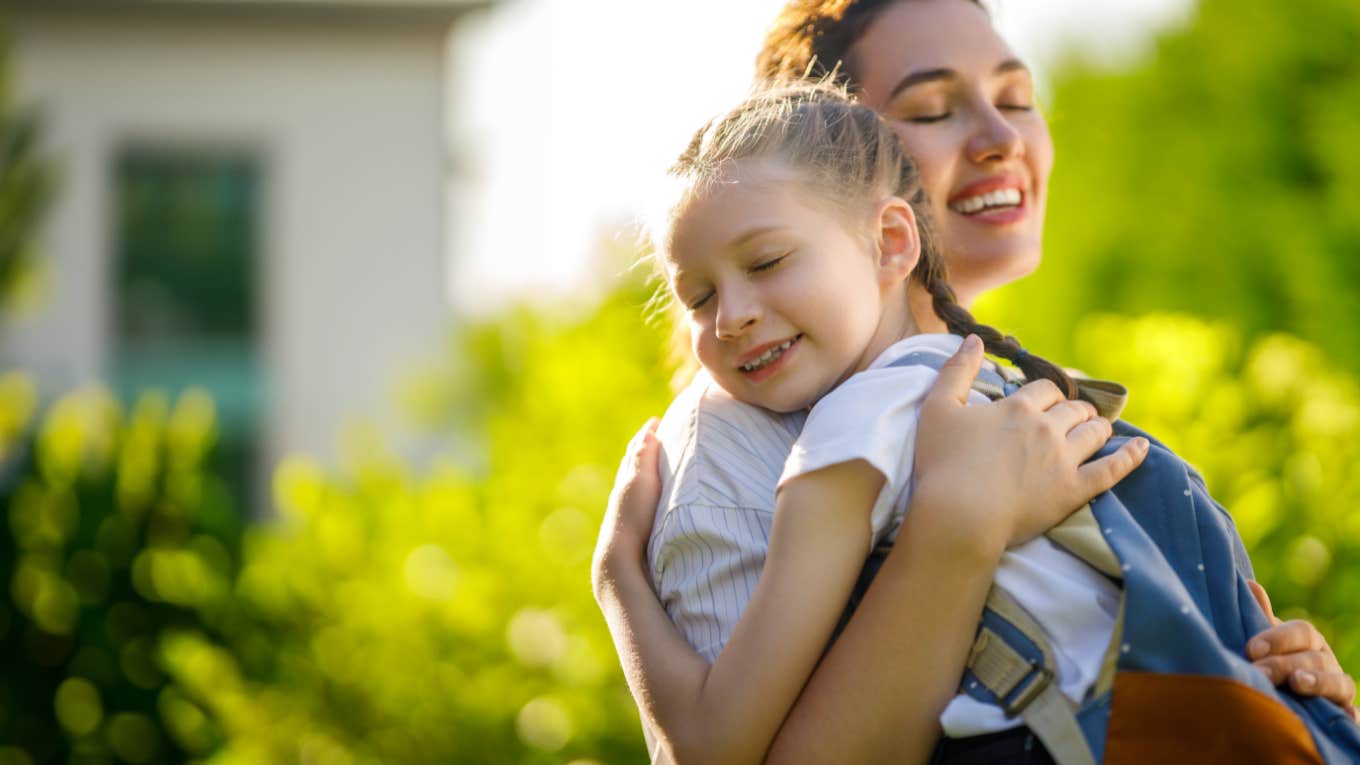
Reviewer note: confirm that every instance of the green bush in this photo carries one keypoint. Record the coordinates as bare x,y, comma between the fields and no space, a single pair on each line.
445,615
115,535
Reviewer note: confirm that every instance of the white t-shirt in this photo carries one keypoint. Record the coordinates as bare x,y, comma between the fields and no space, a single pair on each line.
872,416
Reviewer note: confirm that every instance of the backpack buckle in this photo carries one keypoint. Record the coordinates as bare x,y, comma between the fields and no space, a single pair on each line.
1030,686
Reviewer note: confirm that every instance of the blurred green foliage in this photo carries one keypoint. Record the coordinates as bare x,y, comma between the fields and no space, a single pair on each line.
1219,178
385,615
26,181
114,537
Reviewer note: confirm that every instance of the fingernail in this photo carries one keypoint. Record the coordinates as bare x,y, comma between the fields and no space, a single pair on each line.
971,343
1306,679
1257,648
1141,443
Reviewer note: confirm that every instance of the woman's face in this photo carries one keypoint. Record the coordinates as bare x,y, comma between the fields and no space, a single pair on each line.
963,106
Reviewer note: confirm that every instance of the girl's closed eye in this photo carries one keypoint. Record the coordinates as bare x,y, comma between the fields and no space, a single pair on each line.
766,265
698,303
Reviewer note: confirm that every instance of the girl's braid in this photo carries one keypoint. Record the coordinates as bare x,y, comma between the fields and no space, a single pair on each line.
961,322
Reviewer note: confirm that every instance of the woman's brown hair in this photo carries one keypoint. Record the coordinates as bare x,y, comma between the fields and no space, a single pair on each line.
812,39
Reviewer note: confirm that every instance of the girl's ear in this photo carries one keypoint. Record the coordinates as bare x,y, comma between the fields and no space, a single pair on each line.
899,241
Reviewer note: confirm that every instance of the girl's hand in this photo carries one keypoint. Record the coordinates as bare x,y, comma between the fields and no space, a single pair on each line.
1294,652
1031,471
632,504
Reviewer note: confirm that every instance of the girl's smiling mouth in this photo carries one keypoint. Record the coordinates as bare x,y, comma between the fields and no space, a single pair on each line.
768,359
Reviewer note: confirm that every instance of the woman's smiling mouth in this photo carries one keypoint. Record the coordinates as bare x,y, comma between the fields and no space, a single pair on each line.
1002,199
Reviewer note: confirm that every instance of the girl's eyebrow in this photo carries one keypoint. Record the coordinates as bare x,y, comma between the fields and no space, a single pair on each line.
754,233
944,73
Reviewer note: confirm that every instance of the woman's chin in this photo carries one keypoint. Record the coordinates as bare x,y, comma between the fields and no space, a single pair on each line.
984,273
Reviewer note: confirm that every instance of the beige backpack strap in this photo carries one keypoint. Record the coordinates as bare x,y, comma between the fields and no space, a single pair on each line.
1106,396
1080,535
1027,688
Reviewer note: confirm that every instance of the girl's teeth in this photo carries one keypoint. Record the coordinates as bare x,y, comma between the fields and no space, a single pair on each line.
767,356
998,198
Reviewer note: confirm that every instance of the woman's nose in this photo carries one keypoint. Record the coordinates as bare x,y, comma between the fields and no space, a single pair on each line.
994,137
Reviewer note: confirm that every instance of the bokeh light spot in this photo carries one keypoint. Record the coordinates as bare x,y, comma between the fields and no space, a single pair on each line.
544,724
1308,560
299,486
78,707
431,573
13,755
184,721
133,738
536,637
567,534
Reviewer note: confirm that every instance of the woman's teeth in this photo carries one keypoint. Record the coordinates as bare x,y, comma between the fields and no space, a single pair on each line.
992,199
768,356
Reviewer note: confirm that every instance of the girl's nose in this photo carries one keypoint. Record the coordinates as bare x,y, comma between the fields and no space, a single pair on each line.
736,313
994,137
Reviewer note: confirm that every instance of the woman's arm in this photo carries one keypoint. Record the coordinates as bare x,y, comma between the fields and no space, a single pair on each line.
869,700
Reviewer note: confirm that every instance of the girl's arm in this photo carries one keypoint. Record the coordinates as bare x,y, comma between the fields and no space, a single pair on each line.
730,711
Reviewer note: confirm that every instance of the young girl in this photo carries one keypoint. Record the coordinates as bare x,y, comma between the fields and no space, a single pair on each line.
797,260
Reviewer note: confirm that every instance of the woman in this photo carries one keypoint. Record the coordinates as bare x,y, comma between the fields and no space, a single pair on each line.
962,105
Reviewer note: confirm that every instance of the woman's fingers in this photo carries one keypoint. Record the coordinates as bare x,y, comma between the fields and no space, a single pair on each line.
1288,637
1041,394
1295,652
1281,668
1337,687
1102,474
1067,415
1087,437
956,377
1259,592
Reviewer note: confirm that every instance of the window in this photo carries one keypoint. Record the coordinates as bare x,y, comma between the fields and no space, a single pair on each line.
186,310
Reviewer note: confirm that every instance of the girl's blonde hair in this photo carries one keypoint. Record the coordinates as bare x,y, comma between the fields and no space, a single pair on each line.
841,152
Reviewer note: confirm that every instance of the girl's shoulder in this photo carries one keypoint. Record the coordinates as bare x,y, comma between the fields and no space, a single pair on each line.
720,451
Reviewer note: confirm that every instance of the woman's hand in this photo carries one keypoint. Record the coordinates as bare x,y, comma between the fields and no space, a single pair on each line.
1030,474
632,504
1294,652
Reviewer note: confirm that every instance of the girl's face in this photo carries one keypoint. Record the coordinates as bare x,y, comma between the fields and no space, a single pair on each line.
963,106
784,297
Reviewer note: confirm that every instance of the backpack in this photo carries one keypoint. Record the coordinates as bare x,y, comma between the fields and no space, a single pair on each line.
1175,685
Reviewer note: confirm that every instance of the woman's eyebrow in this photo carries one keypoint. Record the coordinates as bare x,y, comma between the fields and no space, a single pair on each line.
944,73
920,76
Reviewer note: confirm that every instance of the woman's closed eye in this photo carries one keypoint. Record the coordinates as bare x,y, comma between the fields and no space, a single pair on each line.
925,119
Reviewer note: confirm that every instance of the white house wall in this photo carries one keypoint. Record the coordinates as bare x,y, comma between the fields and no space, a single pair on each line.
349,123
